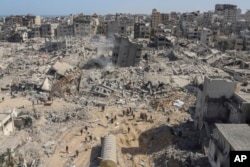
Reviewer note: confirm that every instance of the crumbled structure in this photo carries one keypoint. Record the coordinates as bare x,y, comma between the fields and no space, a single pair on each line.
221,100
226,138
126,52
6,123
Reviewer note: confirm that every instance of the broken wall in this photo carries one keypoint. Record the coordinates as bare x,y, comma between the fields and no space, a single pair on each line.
217,88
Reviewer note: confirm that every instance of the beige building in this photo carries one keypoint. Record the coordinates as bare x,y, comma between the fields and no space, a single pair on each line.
156,18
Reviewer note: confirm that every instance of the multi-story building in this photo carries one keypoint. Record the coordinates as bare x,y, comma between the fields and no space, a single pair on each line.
35,32
226,138
173,16
246,37
64,30
247,16
49,30
206,36
126,52
156,18
112,28
28,20
192,32
82,25
228,11
161,42
164,18
142,30
125,28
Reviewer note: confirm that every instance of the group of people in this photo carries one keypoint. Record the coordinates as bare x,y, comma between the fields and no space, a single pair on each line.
128,112
144,117
67,151
86,139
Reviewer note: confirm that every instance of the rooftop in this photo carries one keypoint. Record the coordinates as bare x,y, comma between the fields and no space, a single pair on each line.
237,135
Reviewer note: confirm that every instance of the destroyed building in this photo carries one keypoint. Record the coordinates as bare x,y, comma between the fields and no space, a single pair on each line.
126,52
222,100
6,123
219,100
226,138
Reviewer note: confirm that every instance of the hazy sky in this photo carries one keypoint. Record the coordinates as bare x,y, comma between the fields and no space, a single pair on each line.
65,7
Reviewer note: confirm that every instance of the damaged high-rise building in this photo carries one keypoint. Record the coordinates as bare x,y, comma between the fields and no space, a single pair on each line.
126,52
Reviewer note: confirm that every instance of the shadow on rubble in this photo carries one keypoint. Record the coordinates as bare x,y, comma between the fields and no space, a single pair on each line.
151,141
182,137
95,153
154,140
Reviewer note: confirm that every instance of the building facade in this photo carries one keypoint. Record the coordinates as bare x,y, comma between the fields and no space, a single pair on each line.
126,52
228,11
49,30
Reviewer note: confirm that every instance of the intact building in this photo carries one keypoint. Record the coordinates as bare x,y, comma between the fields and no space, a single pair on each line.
156,18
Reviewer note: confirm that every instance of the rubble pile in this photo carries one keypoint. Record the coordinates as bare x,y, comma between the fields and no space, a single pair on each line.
75,96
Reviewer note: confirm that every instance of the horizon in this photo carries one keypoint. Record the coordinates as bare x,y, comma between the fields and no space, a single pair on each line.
65,7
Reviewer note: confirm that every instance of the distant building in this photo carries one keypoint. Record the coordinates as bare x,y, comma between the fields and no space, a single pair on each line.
155,18
173,16
165,18
247,16
35,32
126,52
18,37
49,30
82,25
228,11
161,41
64,30
142,30
112,28
28,20
206,36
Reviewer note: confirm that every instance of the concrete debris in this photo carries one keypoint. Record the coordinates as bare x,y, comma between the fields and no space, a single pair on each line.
72,92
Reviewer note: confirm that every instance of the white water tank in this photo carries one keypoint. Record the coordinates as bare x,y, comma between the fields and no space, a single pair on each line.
109,152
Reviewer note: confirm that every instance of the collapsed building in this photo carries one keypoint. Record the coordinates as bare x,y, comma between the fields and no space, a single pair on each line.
6,123
126,52
222,115
226,138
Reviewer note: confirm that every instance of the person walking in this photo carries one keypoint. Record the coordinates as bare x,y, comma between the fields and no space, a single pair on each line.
67,149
